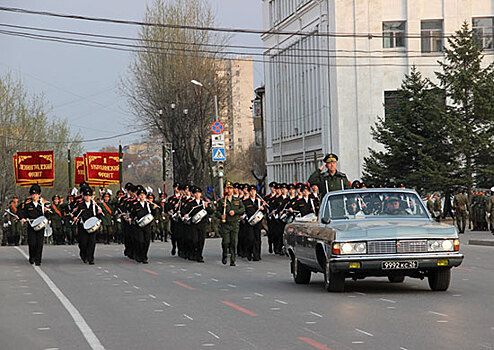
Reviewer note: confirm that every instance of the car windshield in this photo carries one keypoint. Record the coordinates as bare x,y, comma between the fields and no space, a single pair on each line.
363,205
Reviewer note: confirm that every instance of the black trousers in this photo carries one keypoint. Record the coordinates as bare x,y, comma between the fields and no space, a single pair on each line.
179,236
256,244
58,235
142,241
243,239
127,239
35,243
198,233
173,235
279,227
187,240
271,231
87,245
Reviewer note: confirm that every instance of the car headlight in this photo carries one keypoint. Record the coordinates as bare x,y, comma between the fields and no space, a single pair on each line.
352,248
441,245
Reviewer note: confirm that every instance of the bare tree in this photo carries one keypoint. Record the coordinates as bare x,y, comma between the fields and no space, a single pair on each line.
161,76
26,126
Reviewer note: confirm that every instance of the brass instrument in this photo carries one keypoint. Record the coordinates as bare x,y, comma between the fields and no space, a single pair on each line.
223,217
154,204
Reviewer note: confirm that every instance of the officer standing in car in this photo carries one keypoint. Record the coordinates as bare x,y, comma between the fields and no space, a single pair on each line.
330,180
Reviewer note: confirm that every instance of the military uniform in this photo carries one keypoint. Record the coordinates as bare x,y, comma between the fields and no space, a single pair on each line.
490,211
229,228
31,210
56,218
142,234
253,232
69,226
327,182
12,226
107,221
461,205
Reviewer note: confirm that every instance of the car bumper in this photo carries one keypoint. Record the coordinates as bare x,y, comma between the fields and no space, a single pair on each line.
374,263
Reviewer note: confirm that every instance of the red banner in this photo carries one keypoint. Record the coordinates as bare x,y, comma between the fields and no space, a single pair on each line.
102,168
34,167
79,171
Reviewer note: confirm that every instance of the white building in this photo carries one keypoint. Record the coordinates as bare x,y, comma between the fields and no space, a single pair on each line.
329,103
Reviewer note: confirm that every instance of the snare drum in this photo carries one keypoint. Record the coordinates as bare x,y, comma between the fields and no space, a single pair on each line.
256,218
92,224
39,223
201,214
145,220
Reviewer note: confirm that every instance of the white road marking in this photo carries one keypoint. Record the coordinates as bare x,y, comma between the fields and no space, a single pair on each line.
23,287
214,335
259,294
402,348
208,344
23,281
136,287
313,313
465,279
32,302
124,281
281,301
438,313
442,321
275,308
187,316
310,322
128,291
159,262
43,328
232,286
351,296
247,298
115,276
166,303
52,349
184,270
357,342
214,280
272,273
364,332
457,295
99,267
179,325
158,310
197,274
391,307
388,300
37,313
143,300
152,296
107,271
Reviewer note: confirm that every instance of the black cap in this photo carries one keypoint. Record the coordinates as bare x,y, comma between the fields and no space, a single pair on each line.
277,186
356,184
291,187
83,184
70,196
176,184
55,196
87,191
272,184
140,190
106,194
228,184
150,195
129,186
284,185
330,157
252,187
120,192
304,187
35,189
236,185
196,190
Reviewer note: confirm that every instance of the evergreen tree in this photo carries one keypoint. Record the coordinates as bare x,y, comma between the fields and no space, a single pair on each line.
415,139
469,88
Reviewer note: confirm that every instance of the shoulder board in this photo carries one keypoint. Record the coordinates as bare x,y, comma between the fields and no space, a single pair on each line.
340,174
28,201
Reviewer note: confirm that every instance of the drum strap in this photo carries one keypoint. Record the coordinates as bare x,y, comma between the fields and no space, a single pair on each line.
107,208
312,205
56,210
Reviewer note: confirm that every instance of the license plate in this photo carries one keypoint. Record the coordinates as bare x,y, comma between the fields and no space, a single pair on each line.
399,265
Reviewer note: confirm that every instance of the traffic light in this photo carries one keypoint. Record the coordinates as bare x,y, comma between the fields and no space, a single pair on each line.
221,169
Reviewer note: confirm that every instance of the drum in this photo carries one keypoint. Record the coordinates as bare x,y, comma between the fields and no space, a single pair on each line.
48,231
256,218
92,224
145,220
199,216
39,223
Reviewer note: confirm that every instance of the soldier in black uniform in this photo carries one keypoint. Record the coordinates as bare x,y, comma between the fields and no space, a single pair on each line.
31,209
56,218
172,207
70,228
198,229
85,210
142,234
306,205
186,250
253,232
125,206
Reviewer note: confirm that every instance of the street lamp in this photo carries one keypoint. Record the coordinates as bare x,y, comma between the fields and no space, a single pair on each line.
220,174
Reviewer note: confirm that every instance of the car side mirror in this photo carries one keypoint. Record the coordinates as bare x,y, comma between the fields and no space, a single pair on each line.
326,221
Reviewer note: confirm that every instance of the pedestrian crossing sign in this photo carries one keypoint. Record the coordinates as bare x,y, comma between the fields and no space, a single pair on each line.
219,155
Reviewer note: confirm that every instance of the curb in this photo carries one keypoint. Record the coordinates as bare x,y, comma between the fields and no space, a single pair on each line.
483,242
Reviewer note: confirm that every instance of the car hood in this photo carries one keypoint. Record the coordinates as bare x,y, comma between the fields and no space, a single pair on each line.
391,229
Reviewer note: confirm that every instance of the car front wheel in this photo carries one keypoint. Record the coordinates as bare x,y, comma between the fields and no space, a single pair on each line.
333,282
439,279
301,274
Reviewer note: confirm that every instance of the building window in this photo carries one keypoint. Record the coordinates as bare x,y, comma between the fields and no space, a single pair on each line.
391,102
483,31
393,34
432,36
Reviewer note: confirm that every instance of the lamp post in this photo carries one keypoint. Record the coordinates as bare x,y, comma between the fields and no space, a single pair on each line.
198,83
167,156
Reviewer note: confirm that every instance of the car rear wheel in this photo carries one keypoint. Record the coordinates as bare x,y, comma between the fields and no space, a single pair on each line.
396,279
333,282
301,274
439,280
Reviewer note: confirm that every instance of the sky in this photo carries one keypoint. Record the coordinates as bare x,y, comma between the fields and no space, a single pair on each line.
81,83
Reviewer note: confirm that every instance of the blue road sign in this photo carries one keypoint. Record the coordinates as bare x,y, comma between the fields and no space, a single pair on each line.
219,154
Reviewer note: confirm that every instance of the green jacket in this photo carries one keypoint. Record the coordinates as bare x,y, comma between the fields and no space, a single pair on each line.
236,205
329,183
56,216
109,211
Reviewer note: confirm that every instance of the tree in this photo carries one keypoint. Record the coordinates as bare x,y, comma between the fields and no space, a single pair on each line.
161,77
469,88
414,133
25,125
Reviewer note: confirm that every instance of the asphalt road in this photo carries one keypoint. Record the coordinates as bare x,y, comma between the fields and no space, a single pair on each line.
176,304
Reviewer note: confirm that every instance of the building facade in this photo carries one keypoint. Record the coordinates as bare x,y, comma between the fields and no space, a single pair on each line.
324,91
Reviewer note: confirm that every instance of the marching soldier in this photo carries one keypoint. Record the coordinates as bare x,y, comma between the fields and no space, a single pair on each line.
156,212
229,211
173,207
270,199
31,209
332,180
117,218
437,208
107,218
140,208
253,232
70,228
490,210
164,219
56,218
306,205
461,206
12,226
197,206
85,210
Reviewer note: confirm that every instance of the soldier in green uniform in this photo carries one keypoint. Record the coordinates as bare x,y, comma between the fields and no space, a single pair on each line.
229,210
107,218
56,218
461,205
69,226
437,208
117,218
490,210
12,227
330,180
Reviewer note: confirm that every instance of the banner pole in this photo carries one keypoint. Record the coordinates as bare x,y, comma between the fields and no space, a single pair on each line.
120,164
69,167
